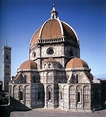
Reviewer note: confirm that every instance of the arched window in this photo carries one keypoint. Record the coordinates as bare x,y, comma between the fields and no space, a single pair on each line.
76,78
49,65
7,58
78,94
34,54
49,95
20,95
44,65
24,78
78,97
15,91
86,93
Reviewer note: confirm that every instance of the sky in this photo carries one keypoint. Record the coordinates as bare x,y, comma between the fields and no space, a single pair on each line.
19,19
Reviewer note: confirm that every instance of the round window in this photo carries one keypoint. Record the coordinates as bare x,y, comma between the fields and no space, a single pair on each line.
50,51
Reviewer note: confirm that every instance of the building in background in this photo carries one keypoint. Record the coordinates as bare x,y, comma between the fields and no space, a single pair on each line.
55,76
6,67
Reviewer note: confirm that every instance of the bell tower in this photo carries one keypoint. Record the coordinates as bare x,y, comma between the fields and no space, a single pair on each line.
6,66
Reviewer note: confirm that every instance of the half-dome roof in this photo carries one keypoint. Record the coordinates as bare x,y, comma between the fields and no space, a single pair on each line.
52,60
77,63
54,28
29,64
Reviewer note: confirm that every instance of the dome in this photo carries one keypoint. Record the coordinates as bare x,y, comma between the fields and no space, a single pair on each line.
29,64
77,63
53,29
52,60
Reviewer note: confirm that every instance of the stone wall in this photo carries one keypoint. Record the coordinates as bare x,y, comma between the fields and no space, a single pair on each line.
75,97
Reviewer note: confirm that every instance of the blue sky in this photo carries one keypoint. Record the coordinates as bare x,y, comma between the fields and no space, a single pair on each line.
19,19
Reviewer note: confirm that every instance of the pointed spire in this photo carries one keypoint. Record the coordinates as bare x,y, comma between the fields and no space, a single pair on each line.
54,13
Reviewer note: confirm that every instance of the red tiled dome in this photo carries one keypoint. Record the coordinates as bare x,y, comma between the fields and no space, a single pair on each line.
52,60
77,63
29,64
54,28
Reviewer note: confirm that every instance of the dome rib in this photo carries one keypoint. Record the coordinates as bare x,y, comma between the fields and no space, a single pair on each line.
72,30
42,28
35,37
50,29
61,27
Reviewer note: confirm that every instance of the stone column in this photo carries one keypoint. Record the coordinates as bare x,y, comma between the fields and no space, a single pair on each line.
68,98
46,97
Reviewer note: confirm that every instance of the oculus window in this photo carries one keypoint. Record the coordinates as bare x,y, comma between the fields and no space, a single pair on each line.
50,51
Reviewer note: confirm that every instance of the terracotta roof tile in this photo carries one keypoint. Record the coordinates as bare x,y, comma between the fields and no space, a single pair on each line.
68,33
77,63
35,37
29,64
50,60
54,28
51,30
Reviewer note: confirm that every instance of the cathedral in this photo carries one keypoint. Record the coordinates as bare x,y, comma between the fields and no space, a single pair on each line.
55,76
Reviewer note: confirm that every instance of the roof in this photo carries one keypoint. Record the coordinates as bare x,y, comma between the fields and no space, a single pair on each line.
77,63
29,64
50,60
51,29
54,28
35,37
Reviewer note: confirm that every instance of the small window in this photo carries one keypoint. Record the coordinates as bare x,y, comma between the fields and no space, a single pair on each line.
78,97
49,95
20,95
44,65
34,54
49,65
76,78
25,80
7,58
